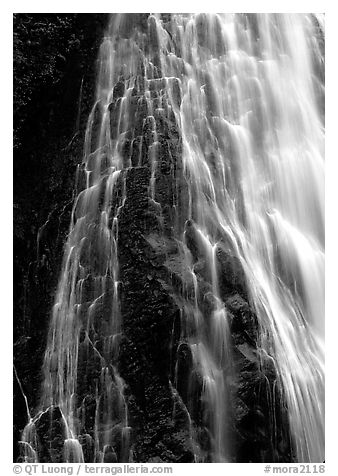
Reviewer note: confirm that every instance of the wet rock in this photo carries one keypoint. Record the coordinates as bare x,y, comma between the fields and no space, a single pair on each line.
136,151
244,325
51,433
184,365
141,114
191,239
109,455
175,87
231,273
119,89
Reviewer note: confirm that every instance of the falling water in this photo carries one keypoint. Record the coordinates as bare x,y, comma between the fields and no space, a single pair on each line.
246,93
253,153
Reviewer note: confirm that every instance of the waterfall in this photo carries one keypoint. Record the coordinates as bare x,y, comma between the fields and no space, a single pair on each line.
245,93
253,153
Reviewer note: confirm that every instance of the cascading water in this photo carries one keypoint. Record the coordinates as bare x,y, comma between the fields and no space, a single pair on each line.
245,92
253,154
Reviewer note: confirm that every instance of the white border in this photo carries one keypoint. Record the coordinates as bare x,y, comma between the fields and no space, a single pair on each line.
331,194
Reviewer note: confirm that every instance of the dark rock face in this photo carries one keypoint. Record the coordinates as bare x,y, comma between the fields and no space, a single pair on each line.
163,389
54,73
145,243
